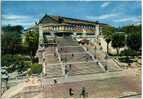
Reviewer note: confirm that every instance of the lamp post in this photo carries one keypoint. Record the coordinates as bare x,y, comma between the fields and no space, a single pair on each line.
4,76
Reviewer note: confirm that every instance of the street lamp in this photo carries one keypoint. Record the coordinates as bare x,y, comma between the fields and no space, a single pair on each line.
4,76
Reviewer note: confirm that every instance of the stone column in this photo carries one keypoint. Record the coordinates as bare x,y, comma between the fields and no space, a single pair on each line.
52,33
74,33
97,30
101,30
40,35
44,68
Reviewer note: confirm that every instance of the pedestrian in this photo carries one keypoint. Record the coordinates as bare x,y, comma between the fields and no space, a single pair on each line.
66,71
55,81
65,59
105,67
106,57
70,66
65,66
87,49
83,92
71,92
87,59
90,57
72,54
97,63
95,56
43,59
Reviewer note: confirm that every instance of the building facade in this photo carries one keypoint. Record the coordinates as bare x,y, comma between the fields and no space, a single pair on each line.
52,26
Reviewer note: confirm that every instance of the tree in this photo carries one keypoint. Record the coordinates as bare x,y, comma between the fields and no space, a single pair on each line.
16,28
11,39
134,41
118,41
107,33
31,41
131,29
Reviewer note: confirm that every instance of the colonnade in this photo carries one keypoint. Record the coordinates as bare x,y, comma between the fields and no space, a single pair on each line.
72,28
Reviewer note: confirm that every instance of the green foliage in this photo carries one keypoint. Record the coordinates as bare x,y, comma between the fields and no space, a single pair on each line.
125,59
16,28
118,41
11,39
131,29
107,33
23,66
128,52
36,68
31,41
134,41
133,36
13,49
15,62
7,60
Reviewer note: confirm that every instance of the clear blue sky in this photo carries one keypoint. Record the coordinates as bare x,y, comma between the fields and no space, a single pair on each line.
116,13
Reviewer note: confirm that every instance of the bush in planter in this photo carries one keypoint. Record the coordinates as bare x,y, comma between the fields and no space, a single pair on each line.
36,68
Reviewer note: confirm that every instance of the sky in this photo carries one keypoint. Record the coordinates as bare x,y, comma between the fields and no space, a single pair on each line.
116,13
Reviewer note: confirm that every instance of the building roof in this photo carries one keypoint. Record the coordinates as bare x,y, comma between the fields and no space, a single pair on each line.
61,19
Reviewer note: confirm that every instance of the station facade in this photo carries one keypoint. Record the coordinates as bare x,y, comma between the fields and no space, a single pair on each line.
52,26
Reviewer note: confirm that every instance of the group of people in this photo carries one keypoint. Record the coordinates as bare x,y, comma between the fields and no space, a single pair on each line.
83,92
65,58
62,49
67,68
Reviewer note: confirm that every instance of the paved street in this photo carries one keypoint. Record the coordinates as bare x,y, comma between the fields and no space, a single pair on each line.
109,84
111,87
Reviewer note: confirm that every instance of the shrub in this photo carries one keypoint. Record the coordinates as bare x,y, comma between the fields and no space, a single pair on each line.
36,68
15,62
127,55
126,60
128,52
